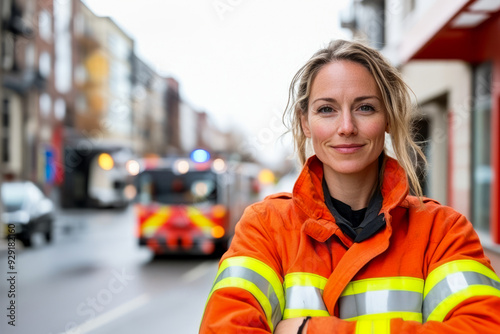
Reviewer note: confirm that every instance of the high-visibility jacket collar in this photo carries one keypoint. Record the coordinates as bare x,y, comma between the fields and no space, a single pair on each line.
308,196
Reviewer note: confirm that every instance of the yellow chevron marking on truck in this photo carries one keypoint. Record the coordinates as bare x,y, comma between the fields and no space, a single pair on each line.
155,221
200,220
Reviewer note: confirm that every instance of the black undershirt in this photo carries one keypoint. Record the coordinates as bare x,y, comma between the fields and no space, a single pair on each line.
355,217
358,225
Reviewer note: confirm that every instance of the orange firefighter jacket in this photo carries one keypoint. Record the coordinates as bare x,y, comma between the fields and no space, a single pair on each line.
425,271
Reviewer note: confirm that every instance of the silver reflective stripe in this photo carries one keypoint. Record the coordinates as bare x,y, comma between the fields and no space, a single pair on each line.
454,283
263,284
305,298
380,301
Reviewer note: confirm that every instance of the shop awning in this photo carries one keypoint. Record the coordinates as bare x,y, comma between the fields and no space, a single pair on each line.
453,29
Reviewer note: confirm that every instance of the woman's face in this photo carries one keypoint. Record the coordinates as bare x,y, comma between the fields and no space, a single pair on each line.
346,119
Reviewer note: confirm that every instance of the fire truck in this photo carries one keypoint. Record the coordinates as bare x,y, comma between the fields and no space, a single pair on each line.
191,205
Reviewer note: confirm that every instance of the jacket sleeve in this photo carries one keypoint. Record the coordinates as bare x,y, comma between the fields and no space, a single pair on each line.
247,294
461,290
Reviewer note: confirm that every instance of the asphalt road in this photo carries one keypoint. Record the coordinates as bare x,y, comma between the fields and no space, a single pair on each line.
94,278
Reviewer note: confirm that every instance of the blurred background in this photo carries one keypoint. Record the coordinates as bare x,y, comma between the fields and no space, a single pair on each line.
134,133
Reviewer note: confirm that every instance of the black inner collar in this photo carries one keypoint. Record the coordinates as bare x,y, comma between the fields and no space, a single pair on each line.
355,224
355,217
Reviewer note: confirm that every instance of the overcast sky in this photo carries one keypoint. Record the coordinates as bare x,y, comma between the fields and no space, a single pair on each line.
233,58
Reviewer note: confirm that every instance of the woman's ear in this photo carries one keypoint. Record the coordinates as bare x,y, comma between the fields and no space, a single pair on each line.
387,127
305,125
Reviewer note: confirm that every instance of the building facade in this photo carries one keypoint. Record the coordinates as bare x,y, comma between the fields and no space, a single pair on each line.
69,77
103,79
33,90
149,110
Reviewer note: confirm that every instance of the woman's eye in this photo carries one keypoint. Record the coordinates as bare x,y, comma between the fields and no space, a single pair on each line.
366,107
324,110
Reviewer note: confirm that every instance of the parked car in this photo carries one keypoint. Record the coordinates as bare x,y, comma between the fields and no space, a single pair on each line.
28,210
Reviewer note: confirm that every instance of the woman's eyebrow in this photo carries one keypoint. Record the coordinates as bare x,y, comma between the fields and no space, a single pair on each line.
358,99
361,98
326,99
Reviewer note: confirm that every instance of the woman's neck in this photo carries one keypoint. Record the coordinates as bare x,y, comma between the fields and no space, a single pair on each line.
354,190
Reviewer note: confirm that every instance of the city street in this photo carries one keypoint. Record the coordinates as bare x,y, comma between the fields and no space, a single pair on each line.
193,111
94,278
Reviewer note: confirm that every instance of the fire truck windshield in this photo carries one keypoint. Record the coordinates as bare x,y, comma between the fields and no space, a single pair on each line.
165,187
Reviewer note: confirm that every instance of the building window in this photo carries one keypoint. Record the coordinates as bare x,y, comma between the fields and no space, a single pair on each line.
481,147
45,25
60,109
44,64
45,104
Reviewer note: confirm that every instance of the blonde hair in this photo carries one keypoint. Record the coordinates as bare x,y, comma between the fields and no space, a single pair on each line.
395,96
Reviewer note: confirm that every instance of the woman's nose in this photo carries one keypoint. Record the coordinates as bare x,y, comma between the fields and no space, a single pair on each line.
347,126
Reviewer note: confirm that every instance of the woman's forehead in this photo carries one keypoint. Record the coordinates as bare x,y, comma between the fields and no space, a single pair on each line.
344,77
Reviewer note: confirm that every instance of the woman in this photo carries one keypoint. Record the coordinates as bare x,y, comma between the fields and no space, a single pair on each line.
350,251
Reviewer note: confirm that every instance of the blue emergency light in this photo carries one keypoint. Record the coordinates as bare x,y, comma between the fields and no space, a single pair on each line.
200,155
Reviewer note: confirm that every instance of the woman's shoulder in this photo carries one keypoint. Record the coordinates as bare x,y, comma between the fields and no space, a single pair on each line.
275,198
275,210
275,202
279,196
429,206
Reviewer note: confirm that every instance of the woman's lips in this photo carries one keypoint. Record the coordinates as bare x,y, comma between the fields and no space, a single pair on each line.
348,148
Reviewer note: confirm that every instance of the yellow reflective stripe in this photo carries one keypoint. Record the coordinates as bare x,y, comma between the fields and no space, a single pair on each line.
152,223
407,316
304,295
452,283
305,279
250,287
199,219
296,313
373,326
259,267
384,283
440,311
440,273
